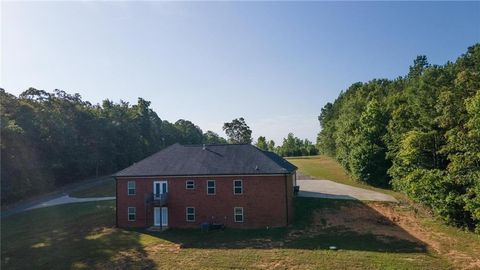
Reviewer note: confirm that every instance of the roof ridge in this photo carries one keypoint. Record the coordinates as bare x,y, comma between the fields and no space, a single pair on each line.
149,157
284,160
214,144
269,158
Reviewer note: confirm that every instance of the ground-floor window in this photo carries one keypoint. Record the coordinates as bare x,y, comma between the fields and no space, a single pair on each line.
190,213
132,213
238,214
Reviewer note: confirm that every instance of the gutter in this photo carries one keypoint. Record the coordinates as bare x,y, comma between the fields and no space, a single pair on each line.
199,175
116,201
286,198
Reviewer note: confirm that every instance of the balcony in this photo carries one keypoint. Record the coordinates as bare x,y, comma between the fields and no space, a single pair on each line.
157,199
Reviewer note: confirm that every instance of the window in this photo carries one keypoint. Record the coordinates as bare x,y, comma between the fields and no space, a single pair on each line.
132,213
238,214
211,187
237,187
190,184
131,187
190,212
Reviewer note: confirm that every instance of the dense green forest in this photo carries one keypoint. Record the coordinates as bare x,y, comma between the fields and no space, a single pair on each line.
419,134
52,139
292,146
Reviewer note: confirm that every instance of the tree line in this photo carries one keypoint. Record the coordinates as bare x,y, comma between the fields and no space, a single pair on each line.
239,132
292,146
52,139
419,134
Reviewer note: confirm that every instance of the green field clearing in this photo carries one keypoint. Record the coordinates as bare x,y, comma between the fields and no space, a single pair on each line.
326,168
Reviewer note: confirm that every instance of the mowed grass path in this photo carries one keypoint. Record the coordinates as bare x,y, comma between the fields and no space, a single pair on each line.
325,168
321,167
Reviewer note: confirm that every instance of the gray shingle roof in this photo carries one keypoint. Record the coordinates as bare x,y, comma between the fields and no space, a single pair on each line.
225,159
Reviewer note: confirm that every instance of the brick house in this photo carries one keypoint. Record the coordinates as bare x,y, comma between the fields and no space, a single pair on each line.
183,186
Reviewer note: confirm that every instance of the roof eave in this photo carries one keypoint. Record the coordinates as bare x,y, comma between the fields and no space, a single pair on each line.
205,175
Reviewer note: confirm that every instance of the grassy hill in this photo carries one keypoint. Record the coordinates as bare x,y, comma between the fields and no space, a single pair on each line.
368,235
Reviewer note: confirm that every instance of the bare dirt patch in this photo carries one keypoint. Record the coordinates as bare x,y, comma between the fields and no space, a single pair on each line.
440,242
387,221
362,219
354,217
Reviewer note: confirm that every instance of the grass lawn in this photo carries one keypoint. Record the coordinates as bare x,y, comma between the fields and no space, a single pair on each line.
106,189
82,236
321,167
369,235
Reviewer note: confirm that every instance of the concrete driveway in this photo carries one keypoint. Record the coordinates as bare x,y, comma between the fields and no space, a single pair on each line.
67,199
332,190
56,197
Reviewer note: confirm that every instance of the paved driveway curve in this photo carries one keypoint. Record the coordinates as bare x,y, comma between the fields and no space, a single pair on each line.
62,192
67,199
332,190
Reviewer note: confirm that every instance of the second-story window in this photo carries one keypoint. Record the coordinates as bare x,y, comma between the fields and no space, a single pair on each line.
237,187
131,187
190,184
211,187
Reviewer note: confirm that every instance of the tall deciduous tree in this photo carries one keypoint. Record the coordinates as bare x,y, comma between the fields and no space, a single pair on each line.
190,133
238,131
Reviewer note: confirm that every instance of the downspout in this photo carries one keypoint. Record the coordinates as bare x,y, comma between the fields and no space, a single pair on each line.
116,202
145,209
286,198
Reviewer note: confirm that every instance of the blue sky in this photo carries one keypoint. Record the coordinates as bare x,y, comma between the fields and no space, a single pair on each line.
275,64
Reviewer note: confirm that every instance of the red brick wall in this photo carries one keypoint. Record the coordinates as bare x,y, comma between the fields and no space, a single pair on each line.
263,201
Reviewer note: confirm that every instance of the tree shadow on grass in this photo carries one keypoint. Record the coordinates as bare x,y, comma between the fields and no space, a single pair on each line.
319,224
73,236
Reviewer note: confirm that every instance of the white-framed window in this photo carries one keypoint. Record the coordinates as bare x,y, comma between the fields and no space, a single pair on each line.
211,187
131,187
238,214
190,214
237,187
190,184
132,213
